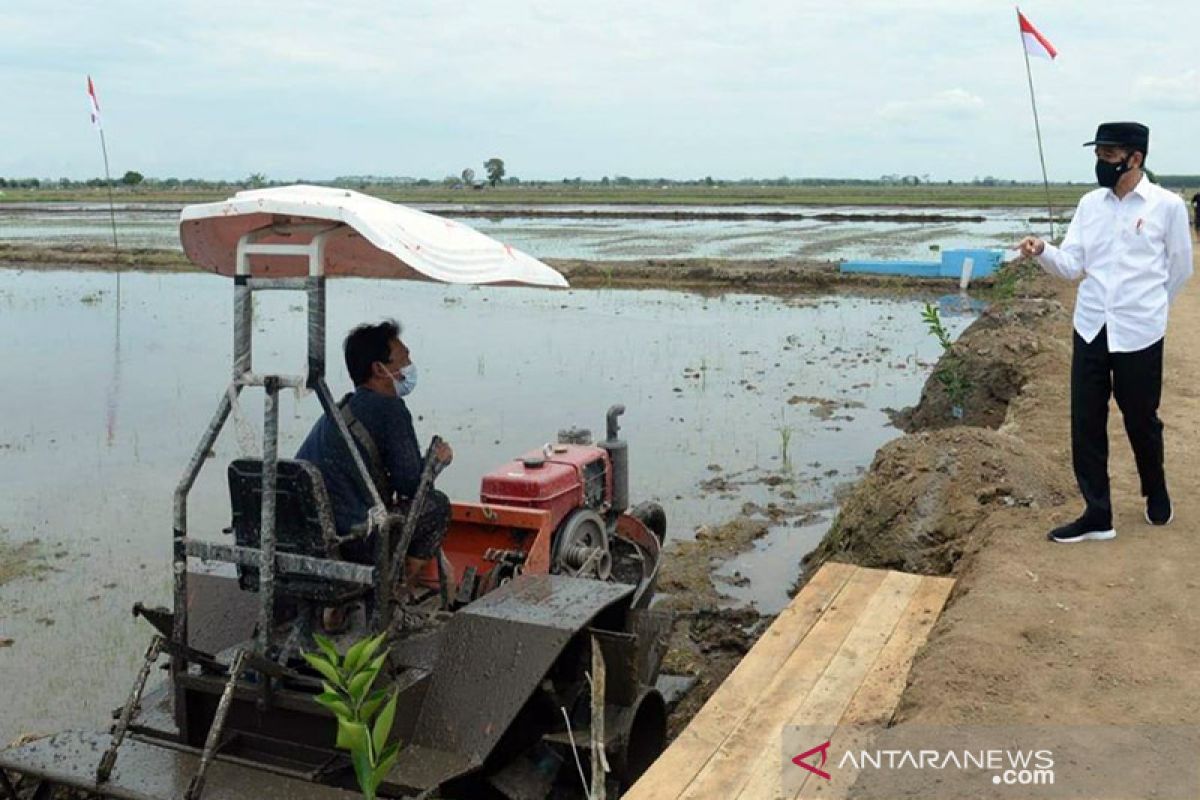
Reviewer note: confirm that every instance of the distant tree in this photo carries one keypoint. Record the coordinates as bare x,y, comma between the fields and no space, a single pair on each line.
451,182
495,170
468,176
256,180
708,181
132,178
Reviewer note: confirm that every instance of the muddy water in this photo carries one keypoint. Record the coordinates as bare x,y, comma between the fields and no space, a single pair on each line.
102,410
605,239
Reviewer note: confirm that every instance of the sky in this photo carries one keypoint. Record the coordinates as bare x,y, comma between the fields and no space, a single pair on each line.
221,89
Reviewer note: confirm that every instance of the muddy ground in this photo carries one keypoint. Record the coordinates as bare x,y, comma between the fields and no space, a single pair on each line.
717,274
1098,633
19,560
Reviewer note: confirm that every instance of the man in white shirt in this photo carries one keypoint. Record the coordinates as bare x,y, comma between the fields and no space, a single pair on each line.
1130,242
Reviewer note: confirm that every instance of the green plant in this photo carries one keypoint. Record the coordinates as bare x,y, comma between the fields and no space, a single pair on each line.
785,440
951,372
347,685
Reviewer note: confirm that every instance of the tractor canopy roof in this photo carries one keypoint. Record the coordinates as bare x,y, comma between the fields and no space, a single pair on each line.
364,237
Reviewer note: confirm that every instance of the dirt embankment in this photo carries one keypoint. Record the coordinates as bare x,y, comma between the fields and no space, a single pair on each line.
922,501
1037,632
774,276
918,505
771,276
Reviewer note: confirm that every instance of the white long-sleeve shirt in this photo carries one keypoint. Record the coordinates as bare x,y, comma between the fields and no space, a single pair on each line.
1134,253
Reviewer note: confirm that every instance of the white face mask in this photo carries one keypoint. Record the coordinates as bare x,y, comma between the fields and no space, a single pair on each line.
406,381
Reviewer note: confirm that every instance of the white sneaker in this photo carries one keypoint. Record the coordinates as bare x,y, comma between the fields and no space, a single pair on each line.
1080,531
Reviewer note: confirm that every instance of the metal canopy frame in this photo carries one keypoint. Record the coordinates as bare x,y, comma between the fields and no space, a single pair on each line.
265,556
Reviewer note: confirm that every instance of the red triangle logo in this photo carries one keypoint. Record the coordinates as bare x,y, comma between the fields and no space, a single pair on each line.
823,749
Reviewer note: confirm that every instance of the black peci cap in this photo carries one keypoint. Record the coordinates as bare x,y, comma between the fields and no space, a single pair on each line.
1131,135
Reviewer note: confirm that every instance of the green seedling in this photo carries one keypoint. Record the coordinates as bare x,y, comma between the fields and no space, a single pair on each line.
364,717
951,371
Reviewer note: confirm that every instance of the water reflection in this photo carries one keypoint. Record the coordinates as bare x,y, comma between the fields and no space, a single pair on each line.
114,386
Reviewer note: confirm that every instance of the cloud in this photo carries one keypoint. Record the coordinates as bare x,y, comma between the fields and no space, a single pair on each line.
1171,92
954,104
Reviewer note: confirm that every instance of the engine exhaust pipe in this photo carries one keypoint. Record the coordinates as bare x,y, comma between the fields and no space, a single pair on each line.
618,453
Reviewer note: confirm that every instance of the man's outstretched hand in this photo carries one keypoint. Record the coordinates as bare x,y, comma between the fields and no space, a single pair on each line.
1031,246
444,453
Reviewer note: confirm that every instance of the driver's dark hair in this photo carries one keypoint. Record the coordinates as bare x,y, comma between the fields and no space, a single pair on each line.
367,344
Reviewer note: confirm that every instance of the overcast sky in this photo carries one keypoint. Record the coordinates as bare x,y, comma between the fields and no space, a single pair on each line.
674,88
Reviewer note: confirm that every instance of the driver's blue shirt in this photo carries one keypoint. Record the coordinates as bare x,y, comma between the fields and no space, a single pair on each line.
388,421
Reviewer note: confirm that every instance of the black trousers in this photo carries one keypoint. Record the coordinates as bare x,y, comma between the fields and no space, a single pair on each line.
432,524
1135,379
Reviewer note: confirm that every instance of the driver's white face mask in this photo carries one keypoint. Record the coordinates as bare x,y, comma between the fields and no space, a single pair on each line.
405,381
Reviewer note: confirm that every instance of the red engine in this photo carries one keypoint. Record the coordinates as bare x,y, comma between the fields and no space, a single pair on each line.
559,479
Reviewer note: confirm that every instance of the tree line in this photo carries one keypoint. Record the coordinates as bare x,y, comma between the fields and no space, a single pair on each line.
496,175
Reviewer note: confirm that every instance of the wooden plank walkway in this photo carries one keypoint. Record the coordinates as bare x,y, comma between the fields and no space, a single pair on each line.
839,654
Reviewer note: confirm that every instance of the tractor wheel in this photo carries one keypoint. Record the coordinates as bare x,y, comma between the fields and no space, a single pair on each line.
644,737
581,546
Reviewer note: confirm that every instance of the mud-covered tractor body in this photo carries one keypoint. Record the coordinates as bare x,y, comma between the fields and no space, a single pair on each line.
535,667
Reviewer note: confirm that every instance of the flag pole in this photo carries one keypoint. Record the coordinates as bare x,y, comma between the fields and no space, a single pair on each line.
112,214
1037,126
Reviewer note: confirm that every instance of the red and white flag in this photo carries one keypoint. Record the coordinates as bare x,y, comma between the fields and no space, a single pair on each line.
1035,43
93,103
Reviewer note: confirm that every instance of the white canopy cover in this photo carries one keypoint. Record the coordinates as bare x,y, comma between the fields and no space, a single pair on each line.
378,239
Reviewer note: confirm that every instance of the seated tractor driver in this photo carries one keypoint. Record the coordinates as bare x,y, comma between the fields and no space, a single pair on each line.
383,373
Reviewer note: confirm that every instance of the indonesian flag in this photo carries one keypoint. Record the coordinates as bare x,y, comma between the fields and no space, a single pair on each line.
1035,43
93,103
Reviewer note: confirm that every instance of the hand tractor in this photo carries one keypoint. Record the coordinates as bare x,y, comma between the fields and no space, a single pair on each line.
534,674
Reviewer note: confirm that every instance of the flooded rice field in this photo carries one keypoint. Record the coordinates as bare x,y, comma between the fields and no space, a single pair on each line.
736,405
570,233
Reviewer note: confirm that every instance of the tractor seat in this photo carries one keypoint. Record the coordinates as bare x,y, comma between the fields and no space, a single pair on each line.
303,526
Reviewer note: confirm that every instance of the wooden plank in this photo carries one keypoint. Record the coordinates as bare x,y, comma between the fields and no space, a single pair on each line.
763,716
759,775
697,743
875,701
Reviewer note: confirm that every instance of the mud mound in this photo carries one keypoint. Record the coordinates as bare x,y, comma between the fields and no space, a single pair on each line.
925,494
20,560
786,276
707,639
999,353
